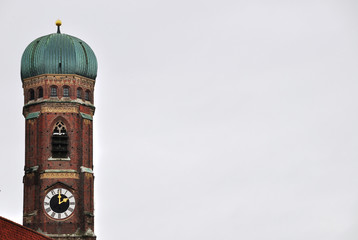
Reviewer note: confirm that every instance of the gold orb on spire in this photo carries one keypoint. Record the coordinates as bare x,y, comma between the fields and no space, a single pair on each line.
58,23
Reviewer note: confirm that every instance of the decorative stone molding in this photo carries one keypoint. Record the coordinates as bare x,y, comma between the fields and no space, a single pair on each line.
58,79
57,109
55,175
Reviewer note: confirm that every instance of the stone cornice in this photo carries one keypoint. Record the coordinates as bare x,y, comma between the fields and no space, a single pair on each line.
58,106
40,79
57,100
60,171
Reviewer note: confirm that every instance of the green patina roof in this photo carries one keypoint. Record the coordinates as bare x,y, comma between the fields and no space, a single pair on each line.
58,53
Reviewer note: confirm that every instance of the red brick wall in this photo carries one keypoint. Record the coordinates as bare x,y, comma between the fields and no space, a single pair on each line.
38,150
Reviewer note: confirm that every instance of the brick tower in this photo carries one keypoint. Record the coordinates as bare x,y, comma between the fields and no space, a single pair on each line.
58,73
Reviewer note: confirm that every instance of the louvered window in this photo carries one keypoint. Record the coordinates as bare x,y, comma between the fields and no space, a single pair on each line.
59,141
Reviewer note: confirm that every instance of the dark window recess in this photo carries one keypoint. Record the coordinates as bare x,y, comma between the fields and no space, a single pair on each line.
87,96
79,93
41,92
59,141
66,92
32,94
53,92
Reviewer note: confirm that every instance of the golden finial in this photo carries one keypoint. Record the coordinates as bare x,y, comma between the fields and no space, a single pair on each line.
58,23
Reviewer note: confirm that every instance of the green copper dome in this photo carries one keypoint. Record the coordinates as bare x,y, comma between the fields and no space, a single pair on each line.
58,53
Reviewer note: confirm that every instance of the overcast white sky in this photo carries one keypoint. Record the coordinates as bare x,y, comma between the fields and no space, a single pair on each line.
215,120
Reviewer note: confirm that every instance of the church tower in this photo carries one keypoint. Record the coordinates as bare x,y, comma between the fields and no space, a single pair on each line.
58,73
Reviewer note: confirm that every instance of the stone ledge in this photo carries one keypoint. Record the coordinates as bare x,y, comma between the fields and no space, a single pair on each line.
85,169
59,159
31,169
60,171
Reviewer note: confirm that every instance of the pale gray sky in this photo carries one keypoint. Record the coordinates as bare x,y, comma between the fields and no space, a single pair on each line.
215,120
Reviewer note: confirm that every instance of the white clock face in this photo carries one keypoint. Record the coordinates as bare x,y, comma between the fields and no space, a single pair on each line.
59,203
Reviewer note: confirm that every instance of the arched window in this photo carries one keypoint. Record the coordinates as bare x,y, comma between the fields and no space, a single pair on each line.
40,92
66,91
79,93
87,95
53,92
31,94
59,141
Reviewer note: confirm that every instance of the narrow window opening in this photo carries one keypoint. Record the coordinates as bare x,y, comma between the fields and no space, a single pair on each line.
59,141
53,92
79,93
32,94
41,92
87,95
66,91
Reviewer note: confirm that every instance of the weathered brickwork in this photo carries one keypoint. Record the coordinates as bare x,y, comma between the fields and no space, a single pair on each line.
43,171
60,81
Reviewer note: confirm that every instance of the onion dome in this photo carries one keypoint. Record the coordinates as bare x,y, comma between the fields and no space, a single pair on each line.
58,53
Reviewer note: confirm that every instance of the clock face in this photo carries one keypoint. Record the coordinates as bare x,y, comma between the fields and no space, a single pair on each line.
59,203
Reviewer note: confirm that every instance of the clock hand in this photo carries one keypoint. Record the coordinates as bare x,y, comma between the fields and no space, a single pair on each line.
64,200
59,198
